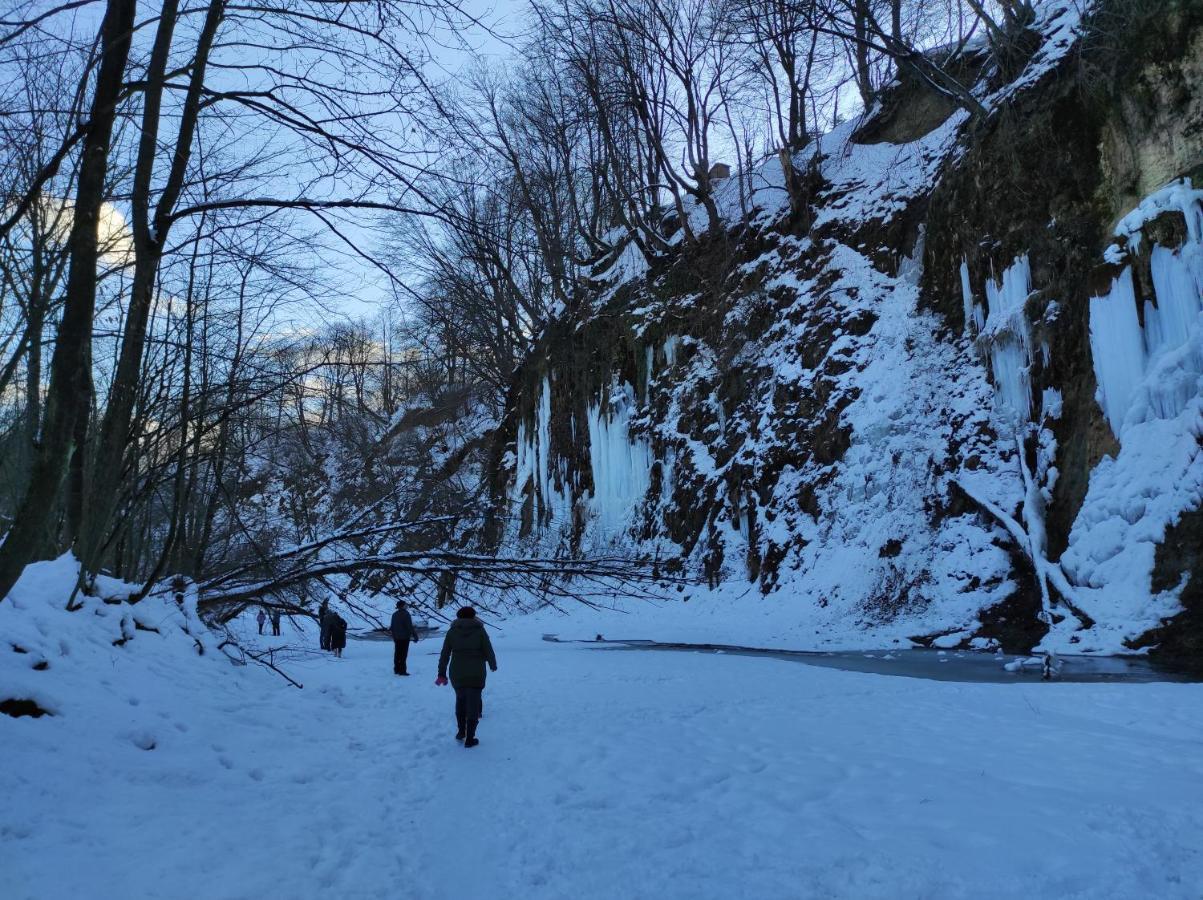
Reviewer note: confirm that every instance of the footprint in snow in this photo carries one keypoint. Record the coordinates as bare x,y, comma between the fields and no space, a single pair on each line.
143,740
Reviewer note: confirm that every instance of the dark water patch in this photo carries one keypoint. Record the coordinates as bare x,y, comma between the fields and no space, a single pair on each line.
936,665
383,634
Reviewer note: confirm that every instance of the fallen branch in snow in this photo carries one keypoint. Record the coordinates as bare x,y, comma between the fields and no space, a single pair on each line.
259,658
267,662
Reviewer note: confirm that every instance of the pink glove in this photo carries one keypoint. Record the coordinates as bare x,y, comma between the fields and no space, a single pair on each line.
441,680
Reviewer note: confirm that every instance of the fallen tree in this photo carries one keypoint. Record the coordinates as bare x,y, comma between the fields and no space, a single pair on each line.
226,595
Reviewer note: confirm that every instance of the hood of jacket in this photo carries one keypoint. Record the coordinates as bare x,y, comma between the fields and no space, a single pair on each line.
467,625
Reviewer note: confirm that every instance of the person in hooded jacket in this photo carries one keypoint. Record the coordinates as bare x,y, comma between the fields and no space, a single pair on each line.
324,622
466,651
338,633
402,628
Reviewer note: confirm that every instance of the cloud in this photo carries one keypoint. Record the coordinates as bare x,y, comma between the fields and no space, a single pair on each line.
114,236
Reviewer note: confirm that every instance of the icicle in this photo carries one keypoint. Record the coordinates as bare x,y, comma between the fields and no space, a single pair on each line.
1117,346
1008,339
670,349
1153,372
543,443
534,465
1178,295
667,475
1007,298
1153,335
974,320
524,466
910,269
621,464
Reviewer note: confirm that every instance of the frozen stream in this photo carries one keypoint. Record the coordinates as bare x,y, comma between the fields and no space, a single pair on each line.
935,665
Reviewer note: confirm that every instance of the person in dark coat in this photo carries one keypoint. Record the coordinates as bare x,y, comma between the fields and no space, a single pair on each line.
466,651
404,633
338,633
324,622
261,618
276,622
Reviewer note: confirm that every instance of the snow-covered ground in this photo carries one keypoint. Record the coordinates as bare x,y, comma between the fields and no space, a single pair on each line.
601,773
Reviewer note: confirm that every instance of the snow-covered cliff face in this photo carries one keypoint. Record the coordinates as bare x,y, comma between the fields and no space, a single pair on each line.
949,400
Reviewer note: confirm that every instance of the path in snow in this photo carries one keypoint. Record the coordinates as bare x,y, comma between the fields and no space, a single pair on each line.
615,774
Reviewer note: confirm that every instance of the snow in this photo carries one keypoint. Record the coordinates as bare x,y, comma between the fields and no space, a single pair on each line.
629,264
600,774
1051,403
901,420
869,182
1131,501
1059,23
163,769
1177,196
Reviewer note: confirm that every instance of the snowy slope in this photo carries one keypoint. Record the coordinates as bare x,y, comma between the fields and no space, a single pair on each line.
863,539
809,429
61,659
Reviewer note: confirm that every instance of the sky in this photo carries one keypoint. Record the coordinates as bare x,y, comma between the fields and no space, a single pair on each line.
360,287
500,23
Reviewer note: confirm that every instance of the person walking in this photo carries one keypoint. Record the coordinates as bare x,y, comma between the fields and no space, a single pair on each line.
338,633
466,650
261,618
324,622
275,623
402,628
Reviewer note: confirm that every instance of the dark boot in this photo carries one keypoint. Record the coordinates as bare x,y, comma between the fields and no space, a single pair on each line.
470,740
459,721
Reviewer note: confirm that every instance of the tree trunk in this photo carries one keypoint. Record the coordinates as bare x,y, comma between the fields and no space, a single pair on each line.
864,74
150,237
68,399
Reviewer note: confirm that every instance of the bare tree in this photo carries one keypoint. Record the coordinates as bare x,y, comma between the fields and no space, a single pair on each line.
151,229
69,394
